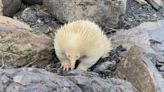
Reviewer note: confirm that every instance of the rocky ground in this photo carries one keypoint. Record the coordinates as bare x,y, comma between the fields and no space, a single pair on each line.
37,42
137,14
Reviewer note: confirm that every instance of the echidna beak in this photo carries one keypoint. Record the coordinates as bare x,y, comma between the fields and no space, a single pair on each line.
72,64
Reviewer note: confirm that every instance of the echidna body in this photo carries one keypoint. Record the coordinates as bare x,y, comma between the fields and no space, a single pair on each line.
80,40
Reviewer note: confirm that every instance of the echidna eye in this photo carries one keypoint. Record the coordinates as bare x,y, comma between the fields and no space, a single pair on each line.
77,56
68,56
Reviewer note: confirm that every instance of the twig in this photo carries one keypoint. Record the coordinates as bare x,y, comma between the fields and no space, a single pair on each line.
30,63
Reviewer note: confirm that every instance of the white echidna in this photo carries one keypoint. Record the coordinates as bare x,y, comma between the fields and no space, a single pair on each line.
80,40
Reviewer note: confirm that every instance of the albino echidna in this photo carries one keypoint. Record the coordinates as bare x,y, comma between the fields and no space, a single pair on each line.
80,40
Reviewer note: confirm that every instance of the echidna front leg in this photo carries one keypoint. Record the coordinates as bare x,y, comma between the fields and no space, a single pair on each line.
65,65
87,62
64,62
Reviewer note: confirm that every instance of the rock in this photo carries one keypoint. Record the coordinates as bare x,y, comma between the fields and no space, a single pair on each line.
40,80
161,69
11,7
104,12
91,82
136,64
32,2
137,14
157,4
105,65
144,44
34,80
39,20
141,2
6,21
29,15
162,74
142,36
20,46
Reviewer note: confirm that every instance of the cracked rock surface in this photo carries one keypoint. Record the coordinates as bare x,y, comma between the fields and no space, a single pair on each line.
19,46
40,80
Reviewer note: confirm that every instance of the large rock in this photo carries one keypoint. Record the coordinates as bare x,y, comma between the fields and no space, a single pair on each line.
39,80
145,46
11,7
91,82
148,78
142,36
19,46
105,12
34,80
